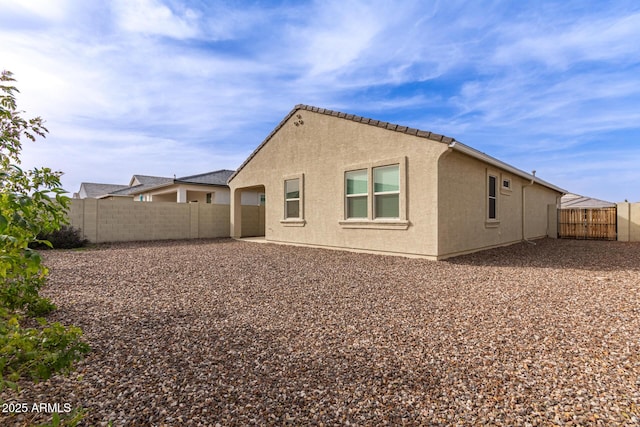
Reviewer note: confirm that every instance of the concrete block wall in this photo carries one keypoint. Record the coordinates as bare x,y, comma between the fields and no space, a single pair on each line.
119,220
629,222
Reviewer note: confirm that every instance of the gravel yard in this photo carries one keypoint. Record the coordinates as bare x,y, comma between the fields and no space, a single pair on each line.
238,333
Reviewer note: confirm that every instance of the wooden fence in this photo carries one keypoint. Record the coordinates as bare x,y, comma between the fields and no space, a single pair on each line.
597,224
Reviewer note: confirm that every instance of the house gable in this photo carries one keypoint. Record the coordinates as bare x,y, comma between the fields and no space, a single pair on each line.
443,206
352,117
318,148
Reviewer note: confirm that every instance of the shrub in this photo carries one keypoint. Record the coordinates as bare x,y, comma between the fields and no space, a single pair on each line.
32,203
37,353
66,238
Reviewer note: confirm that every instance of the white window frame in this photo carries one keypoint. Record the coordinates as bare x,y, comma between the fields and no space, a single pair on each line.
288,200
400,223
492,222
348,196
383,193
298,221
506,189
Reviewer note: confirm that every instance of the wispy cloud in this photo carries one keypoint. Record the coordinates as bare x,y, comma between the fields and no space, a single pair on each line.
152,17
591,38
170,86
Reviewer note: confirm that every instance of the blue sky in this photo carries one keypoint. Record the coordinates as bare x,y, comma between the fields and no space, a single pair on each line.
164,87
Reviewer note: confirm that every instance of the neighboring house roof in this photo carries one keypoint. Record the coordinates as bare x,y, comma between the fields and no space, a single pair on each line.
148,180
218,177
452,143
143,183
94,190
575,201
139,184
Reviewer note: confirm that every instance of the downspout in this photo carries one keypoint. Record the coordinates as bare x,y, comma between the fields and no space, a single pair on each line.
524,215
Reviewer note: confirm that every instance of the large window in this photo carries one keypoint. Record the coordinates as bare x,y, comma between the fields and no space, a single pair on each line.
386,191
357,193
492,205
292,198
375,195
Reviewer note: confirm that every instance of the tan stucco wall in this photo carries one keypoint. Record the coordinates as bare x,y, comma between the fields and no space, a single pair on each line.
552,221
322,149
253,221
114,220
194,193
445,190
537,200
462,203
629,222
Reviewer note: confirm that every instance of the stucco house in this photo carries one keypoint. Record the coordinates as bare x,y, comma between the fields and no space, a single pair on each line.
209,187
94,190
576,201
338,180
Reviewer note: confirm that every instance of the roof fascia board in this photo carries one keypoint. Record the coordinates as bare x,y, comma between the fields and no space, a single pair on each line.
200,183
469,151
175,182
155,187
104,196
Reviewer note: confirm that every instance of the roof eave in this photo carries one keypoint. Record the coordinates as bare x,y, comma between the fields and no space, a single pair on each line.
104,196
340,115
465,149
175,182
200,183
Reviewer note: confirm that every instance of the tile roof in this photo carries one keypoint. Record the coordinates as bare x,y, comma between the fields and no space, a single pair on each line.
402,129
575,201
371,122
145,182
150,180
218,177
94,190
142,183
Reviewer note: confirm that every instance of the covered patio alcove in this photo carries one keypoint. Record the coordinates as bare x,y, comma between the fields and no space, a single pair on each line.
248,212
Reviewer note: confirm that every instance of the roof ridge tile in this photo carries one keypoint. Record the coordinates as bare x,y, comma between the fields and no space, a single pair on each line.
347,116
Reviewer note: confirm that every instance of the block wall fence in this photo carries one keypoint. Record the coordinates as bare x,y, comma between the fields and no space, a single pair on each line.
121,220
629,222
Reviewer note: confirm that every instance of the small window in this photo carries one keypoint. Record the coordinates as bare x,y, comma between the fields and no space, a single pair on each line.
357,193
292,198
386,191
492,205
506,184
209,198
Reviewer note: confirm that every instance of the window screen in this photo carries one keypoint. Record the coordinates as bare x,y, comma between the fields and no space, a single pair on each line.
386,191
292,198
357,193
492,197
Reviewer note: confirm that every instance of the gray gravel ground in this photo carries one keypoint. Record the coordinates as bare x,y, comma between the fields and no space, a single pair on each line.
221,332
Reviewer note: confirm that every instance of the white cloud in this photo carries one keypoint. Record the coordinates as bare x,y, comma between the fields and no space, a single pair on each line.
194,83
152,17
590,39
48,10
338,37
